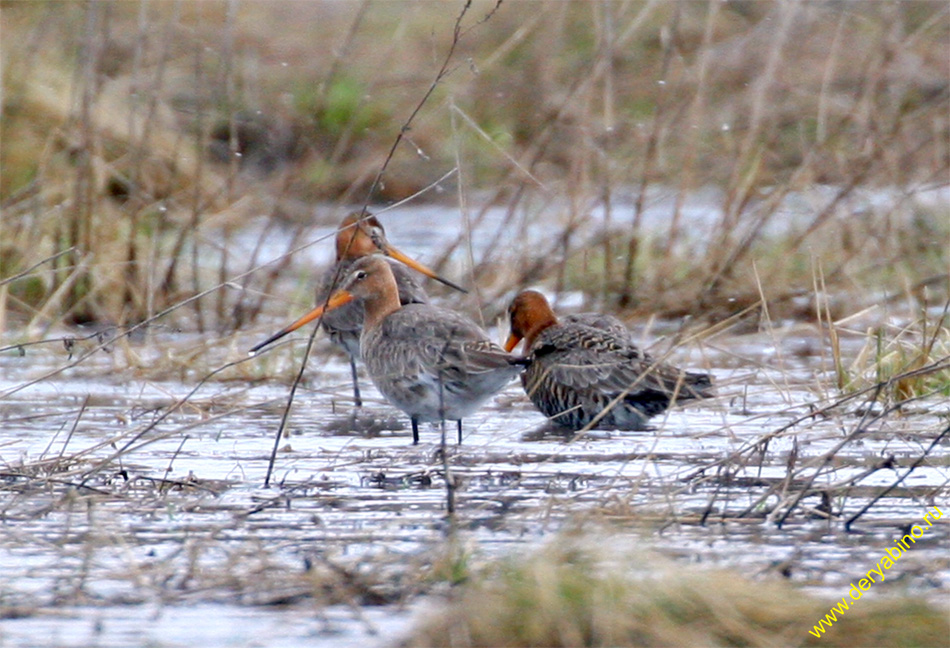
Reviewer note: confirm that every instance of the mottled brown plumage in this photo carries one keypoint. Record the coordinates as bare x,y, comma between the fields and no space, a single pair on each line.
586,371
434,364
360,235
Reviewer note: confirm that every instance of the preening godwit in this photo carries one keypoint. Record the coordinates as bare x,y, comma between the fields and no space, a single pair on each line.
433,364
580,367
360,235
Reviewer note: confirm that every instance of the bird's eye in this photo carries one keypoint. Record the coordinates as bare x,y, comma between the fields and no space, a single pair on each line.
360,275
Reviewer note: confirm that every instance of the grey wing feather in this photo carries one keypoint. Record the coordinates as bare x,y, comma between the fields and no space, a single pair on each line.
584,357
600,321
443,340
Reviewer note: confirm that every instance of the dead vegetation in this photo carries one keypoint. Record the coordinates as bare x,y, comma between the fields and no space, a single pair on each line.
743,163
139,138
575,593
166,508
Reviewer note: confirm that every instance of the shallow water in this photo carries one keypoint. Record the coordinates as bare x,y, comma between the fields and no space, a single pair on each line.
133,509
137,527
206,624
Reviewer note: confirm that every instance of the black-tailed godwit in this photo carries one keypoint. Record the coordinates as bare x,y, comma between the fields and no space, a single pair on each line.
586,371
361,234
432,363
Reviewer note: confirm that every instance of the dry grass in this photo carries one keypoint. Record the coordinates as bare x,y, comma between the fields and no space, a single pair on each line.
896,357
743,162
137,137
569,594
136,534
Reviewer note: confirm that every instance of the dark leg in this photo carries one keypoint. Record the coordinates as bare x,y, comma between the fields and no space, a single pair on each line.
356,383
415,432
460,431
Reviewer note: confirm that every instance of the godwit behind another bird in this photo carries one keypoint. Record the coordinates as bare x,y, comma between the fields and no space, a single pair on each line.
361,234
433,364
580,367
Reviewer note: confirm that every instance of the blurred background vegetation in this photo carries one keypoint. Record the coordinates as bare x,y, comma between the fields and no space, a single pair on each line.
131,129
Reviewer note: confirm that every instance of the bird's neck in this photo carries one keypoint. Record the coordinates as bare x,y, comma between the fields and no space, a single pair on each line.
537,327
381,304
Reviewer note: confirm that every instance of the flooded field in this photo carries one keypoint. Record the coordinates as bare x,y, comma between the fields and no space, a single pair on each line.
759,190
133,506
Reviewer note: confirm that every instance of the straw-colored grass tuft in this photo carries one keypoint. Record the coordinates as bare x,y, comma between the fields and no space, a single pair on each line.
910,362
567,595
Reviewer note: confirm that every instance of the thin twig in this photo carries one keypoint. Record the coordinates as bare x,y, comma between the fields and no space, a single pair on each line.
910,469
151,426
33,267
290,401
174,456
443,71
441,74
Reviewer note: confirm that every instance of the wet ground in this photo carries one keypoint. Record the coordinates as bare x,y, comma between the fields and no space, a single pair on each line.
133,509
133,506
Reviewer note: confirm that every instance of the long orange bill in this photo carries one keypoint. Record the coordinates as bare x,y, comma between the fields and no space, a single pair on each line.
418,267
336,300
512,342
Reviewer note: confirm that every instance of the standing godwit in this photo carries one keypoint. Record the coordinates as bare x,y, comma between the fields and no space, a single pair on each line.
586,371
433,364
361,234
